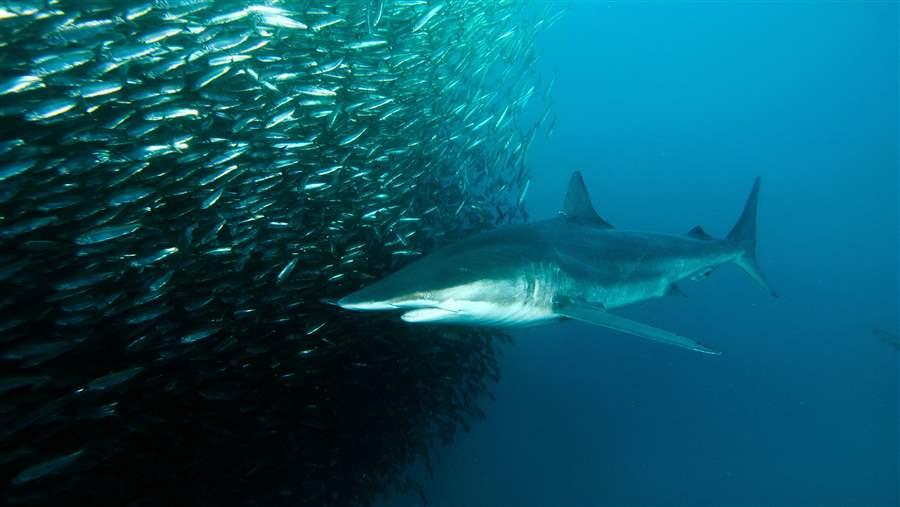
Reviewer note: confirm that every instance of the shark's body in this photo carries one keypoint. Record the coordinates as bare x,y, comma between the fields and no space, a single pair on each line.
576,266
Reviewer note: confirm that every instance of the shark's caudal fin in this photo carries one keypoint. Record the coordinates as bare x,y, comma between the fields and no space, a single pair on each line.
578,207
744,233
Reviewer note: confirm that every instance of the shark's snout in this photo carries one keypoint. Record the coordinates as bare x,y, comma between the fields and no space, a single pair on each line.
351,303
366,299
359,301
380,296
363,300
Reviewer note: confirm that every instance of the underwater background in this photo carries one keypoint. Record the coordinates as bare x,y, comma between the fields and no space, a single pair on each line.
670,109
186,186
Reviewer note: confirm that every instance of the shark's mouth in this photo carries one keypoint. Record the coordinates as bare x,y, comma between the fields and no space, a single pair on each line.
428,315
349,304
460,311
364,306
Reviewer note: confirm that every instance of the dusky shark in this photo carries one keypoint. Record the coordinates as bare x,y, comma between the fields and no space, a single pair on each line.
889,337
576,266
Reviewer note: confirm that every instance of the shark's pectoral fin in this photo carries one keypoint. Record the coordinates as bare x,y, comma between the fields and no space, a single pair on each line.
597,315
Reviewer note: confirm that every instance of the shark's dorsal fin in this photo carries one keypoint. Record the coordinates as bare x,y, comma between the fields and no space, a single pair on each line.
698,233
578,207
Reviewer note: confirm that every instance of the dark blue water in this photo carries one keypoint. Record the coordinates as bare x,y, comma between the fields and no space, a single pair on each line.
670,110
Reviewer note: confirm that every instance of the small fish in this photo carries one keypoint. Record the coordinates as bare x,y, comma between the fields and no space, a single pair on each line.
221,173
153,258
15,168
286,271
36,353
129,196
102,234
212,199
367,43
210,76
293,145
352,137
21,84
315,91
374,12
229,17
327,22
427,17
50,109
48,467
523,193
12,383
160,35
314,328
280,118
227,59
280,21
113,379
199,335
157,284
98,89
169,113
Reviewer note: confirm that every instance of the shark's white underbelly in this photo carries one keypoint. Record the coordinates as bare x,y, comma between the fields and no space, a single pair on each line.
620,295
654,282
479,313
503,303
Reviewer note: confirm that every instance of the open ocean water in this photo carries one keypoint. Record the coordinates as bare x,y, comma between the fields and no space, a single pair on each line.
187,187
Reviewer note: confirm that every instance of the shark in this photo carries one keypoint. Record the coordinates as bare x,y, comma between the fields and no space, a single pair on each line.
572,267
889,337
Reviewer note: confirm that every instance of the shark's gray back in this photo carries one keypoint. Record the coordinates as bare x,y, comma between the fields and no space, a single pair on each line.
613,254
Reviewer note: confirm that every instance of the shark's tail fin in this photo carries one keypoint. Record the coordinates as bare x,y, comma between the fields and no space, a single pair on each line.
744,233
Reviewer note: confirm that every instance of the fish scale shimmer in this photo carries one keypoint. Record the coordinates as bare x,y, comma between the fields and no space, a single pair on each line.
183,183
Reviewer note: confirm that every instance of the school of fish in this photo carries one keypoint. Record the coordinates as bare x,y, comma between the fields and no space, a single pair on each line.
185,184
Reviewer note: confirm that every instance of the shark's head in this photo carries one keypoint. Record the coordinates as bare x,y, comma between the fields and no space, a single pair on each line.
399,290
476,281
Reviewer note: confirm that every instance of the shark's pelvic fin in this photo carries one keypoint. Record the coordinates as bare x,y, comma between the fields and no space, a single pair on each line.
597,315
675,290
698,233
744,233
578,207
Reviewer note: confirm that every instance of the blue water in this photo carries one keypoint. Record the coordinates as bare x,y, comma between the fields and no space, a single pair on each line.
670,110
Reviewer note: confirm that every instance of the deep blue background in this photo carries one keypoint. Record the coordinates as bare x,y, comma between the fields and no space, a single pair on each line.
670,110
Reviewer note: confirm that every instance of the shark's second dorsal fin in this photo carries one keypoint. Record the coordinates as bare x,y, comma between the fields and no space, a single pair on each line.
698,233
578,207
